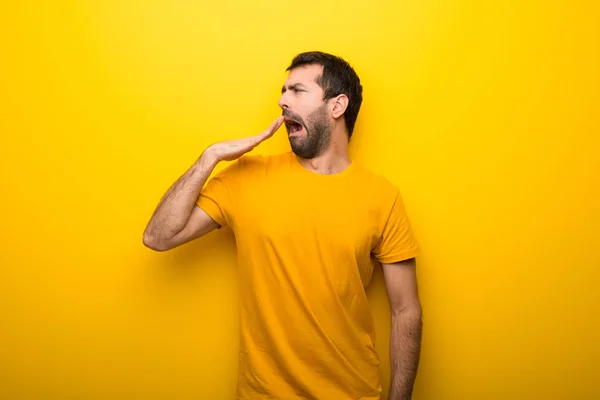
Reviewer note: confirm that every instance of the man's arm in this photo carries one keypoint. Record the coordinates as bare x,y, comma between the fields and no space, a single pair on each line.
405,339
177,219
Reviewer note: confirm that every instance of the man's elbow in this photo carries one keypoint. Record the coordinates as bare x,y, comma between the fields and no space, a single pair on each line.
412,311
153,243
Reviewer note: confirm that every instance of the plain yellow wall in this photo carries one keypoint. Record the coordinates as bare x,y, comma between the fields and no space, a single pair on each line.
485,114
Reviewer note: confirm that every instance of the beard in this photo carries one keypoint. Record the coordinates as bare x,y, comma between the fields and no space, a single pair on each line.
317,133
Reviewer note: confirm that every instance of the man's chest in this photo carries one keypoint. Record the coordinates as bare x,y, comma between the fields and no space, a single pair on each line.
335,218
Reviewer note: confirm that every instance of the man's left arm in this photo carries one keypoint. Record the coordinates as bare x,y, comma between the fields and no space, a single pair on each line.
405,339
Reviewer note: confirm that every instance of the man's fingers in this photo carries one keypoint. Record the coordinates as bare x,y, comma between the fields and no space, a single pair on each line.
255,140
272,128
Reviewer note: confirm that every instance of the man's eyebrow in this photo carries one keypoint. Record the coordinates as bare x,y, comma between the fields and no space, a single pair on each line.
293,86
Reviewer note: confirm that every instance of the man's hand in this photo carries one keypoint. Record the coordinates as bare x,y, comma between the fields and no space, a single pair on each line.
230,150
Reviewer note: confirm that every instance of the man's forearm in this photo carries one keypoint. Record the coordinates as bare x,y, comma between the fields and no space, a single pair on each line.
405,347
175,207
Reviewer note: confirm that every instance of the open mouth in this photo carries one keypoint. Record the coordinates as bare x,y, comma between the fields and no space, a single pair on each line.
292,126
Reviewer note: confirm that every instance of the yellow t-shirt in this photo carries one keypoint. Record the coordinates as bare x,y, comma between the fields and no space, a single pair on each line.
307,244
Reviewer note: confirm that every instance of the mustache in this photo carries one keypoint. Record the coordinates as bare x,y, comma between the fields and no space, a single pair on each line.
293,116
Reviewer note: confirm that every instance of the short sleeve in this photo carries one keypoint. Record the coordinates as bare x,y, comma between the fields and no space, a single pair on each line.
397,241
216,197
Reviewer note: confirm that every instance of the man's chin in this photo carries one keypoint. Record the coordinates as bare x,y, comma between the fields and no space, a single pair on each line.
295,141
302,152
296,148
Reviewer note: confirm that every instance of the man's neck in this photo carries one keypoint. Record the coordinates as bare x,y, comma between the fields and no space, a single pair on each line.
333,160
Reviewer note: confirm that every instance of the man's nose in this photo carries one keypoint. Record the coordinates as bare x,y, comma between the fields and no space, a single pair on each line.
283,102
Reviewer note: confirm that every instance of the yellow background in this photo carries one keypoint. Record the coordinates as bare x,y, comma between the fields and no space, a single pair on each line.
486,114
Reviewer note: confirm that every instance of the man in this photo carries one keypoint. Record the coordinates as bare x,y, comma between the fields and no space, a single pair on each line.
310,226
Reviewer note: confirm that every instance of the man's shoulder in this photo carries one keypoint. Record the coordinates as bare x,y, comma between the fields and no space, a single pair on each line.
261,161
251,164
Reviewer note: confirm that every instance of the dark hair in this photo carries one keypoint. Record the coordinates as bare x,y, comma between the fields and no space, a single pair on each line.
338,78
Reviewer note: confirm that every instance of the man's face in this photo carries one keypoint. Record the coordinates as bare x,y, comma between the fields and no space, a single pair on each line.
307,118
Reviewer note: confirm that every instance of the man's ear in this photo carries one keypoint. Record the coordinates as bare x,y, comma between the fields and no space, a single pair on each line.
340,103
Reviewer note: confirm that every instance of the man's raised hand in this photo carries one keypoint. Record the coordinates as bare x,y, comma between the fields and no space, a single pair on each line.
230,150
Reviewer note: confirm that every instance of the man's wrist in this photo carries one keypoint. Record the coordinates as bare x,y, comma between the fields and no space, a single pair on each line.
208,159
